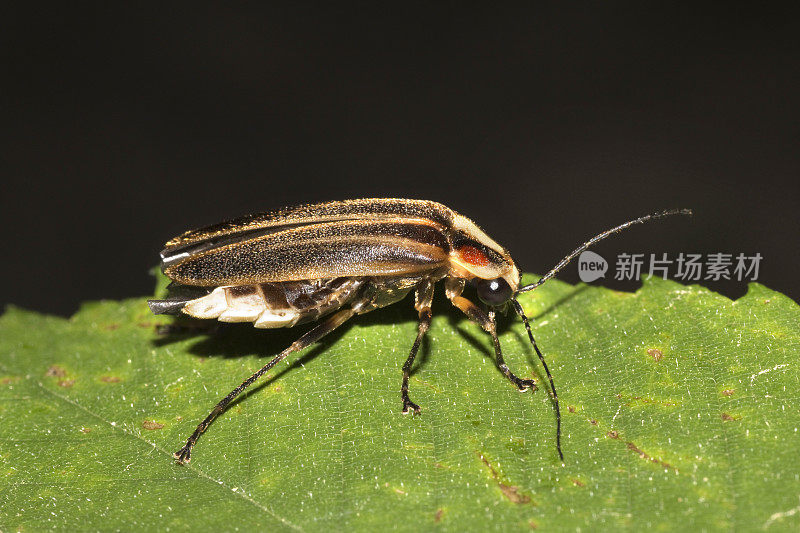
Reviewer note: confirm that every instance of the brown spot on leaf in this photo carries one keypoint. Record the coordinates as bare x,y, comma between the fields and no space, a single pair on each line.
511,492
728,418
111,327
642,455
592,421
489,465
571,408
438,516
55,371
110,379
655,353
578,483
399,491
728,392
613,434
533,525
9,380
66,383
86,430
151,424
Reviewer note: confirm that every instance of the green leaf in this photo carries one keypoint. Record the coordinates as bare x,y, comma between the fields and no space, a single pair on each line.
680,411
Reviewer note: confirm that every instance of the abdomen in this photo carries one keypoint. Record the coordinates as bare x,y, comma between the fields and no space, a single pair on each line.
267,305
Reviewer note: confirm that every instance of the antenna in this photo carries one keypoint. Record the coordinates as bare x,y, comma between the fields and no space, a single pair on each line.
564,262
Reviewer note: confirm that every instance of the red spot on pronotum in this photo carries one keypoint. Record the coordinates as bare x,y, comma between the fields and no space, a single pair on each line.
473,256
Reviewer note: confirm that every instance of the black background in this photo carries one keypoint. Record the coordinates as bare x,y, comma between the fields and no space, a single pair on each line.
546,124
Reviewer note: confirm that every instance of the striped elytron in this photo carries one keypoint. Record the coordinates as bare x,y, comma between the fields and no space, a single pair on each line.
340,259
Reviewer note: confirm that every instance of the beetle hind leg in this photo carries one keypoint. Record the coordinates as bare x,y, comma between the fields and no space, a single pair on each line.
423,299
184,455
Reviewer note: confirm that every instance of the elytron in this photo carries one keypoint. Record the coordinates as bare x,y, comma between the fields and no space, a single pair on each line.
335,260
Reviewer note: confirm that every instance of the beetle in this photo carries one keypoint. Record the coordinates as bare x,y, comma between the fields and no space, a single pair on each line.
335,260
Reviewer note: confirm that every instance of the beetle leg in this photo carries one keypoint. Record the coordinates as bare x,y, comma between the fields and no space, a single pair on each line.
184,455
422,302
487,322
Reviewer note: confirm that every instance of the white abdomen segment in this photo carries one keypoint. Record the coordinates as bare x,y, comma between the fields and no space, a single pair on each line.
273,305
226,305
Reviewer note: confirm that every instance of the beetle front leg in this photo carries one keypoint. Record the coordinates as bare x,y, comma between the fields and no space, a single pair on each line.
488,323
422,302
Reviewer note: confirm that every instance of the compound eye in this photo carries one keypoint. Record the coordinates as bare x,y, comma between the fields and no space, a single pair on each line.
493,291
